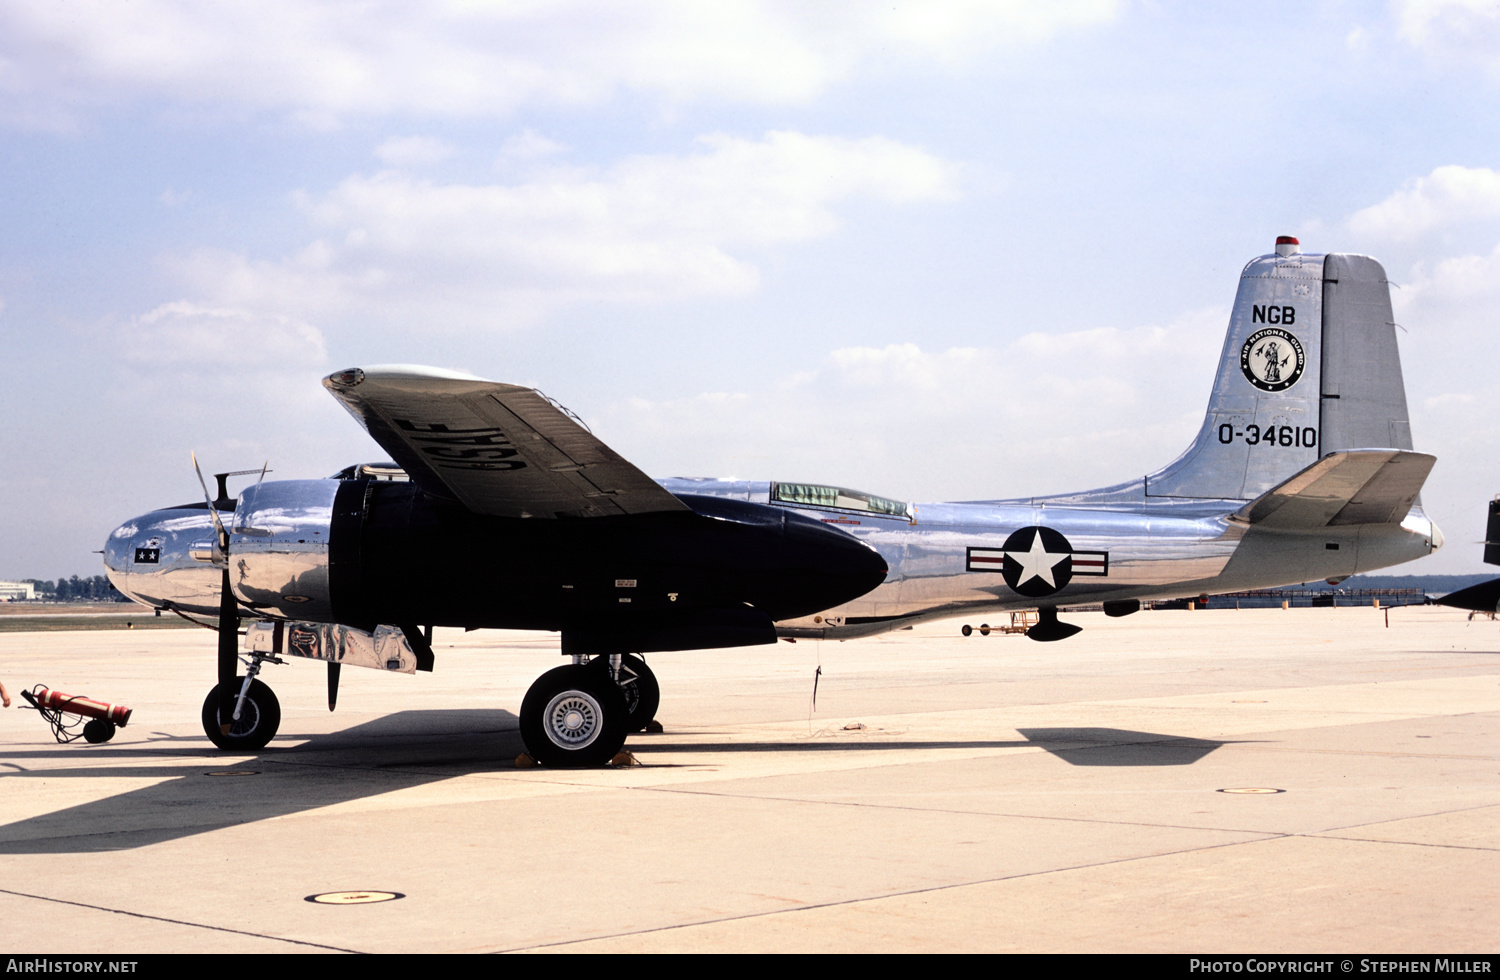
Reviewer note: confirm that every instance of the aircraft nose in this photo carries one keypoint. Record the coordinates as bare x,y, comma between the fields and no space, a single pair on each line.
839,566
118,548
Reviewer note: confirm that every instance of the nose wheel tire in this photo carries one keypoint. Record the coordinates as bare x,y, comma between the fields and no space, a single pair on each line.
259,718
638,685
574,717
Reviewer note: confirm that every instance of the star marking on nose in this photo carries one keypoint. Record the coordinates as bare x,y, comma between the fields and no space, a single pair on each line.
1038,562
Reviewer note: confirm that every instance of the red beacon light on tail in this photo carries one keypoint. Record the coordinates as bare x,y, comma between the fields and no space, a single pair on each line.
1287,245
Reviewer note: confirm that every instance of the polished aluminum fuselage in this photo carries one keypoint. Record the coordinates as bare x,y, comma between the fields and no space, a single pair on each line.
1157,548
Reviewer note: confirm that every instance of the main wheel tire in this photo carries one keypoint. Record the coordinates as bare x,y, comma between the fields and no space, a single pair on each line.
967,630
259,719
638,686
573,718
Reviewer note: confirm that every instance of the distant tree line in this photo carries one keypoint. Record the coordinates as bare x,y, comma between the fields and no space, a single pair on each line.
96,588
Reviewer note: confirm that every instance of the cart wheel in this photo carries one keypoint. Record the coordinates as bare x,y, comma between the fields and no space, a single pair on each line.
97,731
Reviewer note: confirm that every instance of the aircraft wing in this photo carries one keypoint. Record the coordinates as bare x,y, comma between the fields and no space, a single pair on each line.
1359,486
497,449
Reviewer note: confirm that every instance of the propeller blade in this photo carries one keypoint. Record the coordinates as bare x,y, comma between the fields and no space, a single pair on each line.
212,511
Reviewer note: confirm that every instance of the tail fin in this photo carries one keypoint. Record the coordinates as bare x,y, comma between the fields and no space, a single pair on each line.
1492,534
1309,367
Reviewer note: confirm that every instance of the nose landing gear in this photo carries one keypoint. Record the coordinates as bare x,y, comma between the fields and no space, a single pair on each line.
253,714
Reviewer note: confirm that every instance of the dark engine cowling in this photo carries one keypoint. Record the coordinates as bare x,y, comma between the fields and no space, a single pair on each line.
717,576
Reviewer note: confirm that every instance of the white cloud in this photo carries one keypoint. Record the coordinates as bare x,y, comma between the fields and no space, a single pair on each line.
651,228
185,333
1045,413
237,385
338,57
528,145
413,151
1451,300
1464,31
1448,196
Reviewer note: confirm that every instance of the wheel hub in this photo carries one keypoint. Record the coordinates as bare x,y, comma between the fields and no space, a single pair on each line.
573,720
249,719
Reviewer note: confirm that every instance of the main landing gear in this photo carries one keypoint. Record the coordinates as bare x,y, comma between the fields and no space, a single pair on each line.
578,716
253,713
573,717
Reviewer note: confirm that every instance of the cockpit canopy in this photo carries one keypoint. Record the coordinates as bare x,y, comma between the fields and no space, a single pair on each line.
840,497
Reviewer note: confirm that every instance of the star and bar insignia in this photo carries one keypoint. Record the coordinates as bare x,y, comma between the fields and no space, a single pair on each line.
1037,561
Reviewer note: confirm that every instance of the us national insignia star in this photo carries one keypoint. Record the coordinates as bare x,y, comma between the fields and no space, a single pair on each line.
1038,561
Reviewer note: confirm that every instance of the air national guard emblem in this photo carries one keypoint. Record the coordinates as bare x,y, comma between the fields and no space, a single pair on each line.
1038,561
1272,359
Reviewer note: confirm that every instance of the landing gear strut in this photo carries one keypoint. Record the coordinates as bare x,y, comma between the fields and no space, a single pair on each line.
574,717
255,704
637,683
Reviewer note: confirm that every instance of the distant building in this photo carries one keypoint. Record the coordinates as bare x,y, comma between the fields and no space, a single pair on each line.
12,591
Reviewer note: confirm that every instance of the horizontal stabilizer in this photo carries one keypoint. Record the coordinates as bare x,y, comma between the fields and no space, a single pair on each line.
1359,486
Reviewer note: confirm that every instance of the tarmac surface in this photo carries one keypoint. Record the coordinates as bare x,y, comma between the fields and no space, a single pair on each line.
1003,795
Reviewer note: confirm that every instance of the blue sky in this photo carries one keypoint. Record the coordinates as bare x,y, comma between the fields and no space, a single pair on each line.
935,251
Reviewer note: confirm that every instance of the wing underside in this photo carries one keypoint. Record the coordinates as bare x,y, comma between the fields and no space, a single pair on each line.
497,449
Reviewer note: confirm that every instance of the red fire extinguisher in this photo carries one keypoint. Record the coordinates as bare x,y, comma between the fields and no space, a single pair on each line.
102,719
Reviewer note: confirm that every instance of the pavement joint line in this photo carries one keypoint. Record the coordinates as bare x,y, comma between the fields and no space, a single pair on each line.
814,906
1408,843
1260,834
1376,823
949,887
177,922
1330,832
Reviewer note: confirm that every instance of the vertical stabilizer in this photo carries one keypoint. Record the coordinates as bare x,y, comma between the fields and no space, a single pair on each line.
1492,535
1263,421
1310,367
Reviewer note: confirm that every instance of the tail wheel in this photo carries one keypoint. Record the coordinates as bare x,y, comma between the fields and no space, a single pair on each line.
257,724
638,686
573,718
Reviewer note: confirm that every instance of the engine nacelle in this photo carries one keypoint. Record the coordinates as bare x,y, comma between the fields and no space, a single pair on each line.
278,548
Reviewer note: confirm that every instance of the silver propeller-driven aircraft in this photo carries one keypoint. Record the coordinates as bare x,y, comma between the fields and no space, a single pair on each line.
501,510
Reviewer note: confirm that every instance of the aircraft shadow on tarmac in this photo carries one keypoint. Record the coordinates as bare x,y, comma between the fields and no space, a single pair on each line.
1076,746
405,749
1118,747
